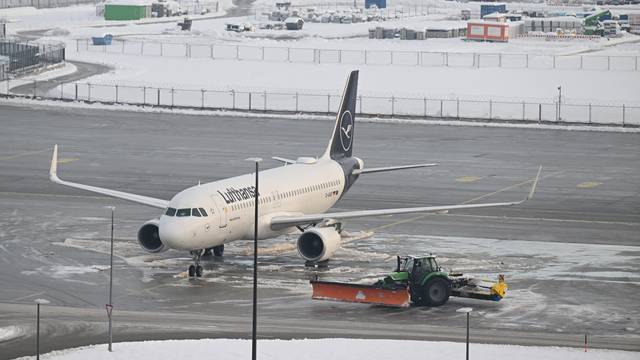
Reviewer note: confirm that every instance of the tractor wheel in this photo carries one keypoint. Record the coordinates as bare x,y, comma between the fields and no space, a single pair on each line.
436,292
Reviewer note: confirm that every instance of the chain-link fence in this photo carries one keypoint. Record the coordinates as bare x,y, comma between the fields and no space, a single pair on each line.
40,4
549,111
26,56
362,57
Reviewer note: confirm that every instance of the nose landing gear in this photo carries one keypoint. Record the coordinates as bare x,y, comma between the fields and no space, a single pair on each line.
196,269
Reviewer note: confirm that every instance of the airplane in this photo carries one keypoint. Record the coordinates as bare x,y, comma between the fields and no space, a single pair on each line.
296,196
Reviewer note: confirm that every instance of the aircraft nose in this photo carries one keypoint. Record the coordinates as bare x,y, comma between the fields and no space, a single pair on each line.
173,235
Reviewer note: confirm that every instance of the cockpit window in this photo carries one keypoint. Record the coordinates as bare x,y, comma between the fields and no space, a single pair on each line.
170,212
195,212
183,212
204,213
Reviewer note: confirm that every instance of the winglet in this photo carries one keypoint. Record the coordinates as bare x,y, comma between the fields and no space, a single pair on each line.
53,171
535,184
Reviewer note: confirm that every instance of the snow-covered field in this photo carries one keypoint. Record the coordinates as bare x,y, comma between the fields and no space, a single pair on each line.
323,349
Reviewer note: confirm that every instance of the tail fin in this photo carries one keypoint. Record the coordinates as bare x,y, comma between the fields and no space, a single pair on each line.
341,144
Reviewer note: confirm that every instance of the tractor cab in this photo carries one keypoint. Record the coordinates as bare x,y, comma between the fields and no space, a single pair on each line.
417,267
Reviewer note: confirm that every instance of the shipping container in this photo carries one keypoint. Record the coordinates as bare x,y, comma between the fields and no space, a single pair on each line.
487,31
126,11
486,9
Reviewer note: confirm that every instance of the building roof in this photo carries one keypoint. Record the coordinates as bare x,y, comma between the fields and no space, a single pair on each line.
483,22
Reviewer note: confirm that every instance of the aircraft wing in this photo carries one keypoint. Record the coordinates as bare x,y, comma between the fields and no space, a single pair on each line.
281,222
149,201
390,168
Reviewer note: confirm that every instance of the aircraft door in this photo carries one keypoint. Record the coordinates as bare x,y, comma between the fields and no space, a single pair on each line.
221,209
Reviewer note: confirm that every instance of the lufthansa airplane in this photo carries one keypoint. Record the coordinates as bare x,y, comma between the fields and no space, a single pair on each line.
296,196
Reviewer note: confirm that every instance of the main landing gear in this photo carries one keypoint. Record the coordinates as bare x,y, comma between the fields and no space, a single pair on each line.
196,270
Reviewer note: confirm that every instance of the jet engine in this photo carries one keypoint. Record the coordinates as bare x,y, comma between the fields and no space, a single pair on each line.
318,244
149,237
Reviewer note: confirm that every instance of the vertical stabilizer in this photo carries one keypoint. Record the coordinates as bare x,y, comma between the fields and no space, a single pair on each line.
341,144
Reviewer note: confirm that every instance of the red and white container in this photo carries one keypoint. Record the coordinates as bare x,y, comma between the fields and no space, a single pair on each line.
487,31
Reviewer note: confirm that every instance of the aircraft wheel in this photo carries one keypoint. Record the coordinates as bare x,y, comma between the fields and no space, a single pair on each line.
192,270
218,250
199,271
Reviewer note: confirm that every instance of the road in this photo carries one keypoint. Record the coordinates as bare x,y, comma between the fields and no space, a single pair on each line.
564,252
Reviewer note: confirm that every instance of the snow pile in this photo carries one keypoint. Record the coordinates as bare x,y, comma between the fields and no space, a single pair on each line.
325,349
10,332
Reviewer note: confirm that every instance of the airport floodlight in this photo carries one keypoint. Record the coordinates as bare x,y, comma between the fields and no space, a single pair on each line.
109,305
466,310
254,327
38,303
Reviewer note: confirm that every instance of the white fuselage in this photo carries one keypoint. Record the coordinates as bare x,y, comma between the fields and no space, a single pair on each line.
308,186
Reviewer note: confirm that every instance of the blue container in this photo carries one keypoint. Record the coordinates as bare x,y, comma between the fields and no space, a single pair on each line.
486,9
381,4
103,40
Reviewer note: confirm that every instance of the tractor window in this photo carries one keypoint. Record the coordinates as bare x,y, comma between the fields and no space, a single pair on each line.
170,212
408,265
433,264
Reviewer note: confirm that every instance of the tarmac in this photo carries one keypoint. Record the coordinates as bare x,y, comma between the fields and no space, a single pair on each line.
570,254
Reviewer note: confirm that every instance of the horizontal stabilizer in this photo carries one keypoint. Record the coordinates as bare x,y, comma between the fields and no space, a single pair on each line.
390,168
283,160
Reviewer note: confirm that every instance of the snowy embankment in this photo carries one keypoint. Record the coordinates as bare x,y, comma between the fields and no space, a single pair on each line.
323,349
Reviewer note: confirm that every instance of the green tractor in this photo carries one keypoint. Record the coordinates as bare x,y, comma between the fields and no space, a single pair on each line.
428,285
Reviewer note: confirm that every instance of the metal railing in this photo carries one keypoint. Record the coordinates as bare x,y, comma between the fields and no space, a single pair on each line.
362,57
40,4
24,56
526,111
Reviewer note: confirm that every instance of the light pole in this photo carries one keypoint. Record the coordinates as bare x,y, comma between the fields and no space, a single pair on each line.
38,303
466,310
109,306
559,102
256,160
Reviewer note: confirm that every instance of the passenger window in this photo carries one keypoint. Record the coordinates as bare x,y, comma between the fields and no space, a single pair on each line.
204,213
183,212
195,212
170,212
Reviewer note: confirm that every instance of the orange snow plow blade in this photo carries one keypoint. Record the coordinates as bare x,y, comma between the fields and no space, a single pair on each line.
367,294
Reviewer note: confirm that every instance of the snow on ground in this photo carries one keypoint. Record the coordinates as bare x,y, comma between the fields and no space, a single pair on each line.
10,332
323,349
399,81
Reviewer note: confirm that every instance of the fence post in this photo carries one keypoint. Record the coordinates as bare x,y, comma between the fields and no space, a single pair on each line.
211,51
340,56
500,60
391,57
608,62
360,103
263,53
77,45
61,91
446,59
636,67
365,57
172,92
116,94
581,62
89,92
249,100
527,61
161,49
393,105
202,98
158,96
523,110
123,47
441,113
490,109
288,54
328,103
296,101
142,48
623,115
265,100
417,58
144,95
457,108
35,87
237,52
539,113
425,106
589,113
233,99
76,91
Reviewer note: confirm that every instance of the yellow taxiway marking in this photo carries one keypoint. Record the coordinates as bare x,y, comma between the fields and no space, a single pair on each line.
588,184
422,216
467,179
66,160
10,157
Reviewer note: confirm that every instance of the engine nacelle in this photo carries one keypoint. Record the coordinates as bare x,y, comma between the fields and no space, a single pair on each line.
318,244
149,237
